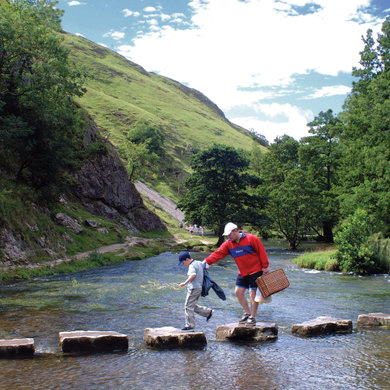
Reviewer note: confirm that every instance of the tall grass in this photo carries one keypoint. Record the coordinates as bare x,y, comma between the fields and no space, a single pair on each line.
323,260
382,253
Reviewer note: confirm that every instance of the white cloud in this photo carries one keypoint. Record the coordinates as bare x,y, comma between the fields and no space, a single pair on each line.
79,35
330,91
233,45
116,35
292,120
74,2
153,22
127,12
150,9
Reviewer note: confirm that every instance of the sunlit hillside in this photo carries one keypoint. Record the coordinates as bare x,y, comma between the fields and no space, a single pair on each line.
121,92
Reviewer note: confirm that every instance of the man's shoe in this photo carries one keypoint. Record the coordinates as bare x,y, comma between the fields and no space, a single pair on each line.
251,321
188,329
210,315
244,319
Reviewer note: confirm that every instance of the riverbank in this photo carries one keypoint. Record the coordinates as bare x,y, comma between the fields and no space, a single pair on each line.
325,260
133,248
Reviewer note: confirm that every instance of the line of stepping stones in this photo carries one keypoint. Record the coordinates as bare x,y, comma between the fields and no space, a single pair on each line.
169,337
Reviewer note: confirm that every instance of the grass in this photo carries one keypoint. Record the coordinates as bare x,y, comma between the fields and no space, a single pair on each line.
322,260
120,93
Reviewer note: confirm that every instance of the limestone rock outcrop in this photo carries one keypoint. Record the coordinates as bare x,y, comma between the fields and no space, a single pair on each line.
169,337
321,326
263,331
71,223
104,188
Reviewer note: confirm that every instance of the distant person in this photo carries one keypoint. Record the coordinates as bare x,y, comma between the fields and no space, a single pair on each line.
194,284
251,258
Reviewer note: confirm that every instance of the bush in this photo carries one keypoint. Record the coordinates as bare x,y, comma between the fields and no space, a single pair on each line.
354,253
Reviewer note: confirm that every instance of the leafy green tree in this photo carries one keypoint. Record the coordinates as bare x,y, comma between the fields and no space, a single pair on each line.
291,203
218,190
139,160
142,149
40,125
319,156
149,135
365,140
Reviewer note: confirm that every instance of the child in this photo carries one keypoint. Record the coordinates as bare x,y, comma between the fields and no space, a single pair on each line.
194,289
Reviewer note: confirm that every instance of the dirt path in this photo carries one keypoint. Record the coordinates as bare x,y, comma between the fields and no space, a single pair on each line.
121,248
165,203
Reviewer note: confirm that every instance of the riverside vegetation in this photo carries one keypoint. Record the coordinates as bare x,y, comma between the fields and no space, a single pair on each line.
72,141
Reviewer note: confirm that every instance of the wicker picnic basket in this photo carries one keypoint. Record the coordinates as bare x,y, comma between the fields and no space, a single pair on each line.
272,282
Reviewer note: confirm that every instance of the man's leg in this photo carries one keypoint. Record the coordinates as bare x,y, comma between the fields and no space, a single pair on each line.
254,304
240,293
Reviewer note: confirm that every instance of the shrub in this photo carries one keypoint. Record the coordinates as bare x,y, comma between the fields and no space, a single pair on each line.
354,253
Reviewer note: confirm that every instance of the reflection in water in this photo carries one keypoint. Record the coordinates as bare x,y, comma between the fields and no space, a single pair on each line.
132,296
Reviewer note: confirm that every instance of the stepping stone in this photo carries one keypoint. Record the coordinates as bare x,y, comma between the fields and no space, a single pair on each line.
322,325
93,341
17,347
374,320
170,337
263,331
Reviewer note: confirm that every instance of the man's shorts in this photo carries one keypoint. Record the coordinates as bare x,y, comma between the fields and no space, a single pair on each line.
248,281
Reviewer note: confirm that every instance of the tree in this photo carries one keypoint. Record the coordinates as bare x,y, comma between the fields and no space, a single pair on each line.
292,207
41,127
291,203
142,149
217,190
148,134
319,156
365,140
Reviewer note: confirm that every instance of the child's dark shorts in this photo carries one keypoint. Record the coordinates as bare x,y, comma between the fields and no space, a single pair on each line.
248,281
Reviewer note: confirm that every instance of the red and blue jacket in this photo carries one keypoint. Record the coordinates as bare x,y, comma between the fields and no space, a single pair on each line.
249,254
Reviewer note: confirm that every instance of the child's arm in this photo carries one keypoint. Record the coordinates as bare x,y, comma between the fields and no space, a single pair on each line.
189,279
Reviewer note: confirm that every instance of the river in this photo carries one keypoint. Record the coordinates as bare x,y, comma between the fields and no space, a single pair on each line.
134,295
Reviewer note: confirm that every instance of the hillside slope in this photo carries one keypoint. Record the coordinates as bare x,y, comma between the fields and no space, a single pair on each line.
121,92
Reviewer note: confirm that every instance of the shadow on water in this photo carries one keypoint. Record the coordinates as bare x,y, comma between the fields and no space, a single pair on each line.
134,295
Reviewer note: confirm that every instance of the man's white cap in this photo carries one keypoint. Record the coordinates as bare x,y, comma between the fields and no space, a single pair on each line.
228,228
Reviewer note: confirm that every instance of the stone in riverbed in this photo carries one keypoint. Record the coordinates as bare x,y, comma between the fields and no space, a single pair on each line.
321,326
17,347
169,337
374,320
263,331
93,341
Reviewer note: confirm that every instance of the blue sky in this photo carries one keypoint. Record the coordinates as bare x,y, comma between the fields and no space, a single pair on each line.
270,65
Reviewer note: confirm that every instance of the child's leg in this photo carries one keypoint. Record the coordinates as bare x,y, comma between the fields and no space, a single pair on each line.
202,310
189,309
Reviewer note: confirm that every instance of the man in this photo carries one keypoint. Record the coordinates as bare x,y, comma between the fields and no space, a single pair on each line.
252,261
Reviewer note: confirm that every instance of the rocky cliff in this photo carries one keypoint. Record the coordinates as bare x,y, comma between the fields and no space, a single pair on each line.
103,187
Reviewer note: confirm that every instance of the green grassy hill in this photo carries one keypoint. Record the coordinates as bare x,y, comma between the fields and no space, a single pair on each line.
121,92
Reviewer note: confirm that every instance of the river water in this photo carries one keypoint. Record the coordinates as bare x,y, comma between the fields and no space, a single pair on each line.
135,295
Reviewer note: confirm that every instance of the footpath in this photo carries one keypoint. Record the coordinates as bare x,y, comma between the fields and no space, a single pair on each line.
165,203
